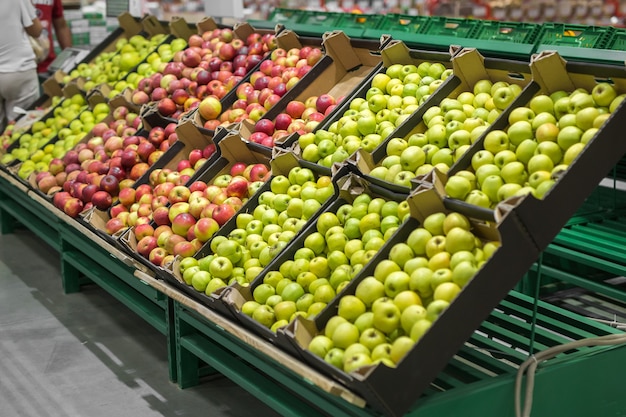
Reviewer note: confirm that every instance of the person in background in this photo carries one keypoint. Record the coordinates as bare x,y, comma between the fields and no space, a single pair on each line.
19,84
50,13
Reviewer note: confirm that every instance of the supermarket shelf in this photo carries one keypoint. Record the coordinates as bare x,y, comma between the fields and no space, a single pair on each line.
486,366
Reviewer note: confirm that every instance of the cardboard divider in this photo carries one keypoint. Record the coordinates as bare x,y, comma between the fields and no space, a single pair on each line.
351,65
450,330
469,67
349,185
231,150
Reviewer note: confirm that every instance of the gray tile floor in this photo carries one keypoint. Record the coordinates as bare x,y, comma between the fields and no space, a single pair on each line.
85,354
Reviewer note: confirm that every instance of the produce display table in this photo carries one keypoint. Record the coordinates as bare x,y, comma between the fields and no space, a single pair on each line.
479,379
570,293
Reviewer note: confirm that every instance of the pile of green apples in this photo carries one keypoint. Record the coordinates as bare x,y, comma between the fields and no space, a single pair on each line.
392,97
449,130
260,235
343,243
542,140
43,131
114,66
13,132
67,138
393,308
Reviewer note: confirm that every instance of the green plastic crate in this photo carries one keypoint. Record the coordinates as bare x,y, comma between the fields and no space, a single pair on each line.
328,20
394,22
354,25
285,16
398,26
617,40
508,31
579,36
451,26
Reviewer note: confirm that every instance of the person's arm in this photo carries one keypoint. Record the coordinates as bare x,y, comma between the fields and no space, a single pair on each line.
35,29
63,33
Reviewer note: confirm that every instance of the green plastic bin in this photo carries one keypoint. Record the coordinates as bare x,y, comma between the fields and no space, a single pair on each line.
354,25
577,42
399,26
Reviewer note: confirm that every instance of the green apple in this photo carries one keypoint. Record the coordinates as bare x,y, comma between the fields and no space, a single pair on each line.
396,282
540,162
585,117
480,158
420,281
453,220
400,347
525,150
491,185
463,272
434,223
345,334
514,173
543,188
400,254
508,190
350,307
435,308
542,103
503,97
520,131
519,114
572,153
420,327
264,315
353,362
478,198
580,101
496,141
386,316
616,102
458,187
320,345
551,149
459,239
485,170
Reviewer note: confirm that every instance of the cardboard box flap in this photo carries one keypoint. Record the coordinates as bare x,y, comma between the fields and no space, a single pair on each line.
243,30
96,97
287,39
548,70
469,65
338,47
52,88
278,156
232,147
206,24
180,28
129,24
120,100
396,52
152,26
71,90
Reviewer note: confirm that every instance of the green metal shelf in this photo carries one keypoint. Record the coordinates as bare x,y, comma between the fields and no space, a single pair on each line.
486,366
17,206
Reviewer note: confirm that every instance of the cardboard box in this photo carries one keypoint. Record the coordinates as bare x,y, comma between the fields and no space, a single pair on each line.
285,40
189,138
281,164
129,26
349,185
544,218
469,67
351,65
395,52
231,149
379,384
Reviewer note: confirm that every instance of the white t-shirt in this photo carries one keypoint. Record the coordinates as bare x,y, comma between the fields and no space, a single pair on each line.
16,54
